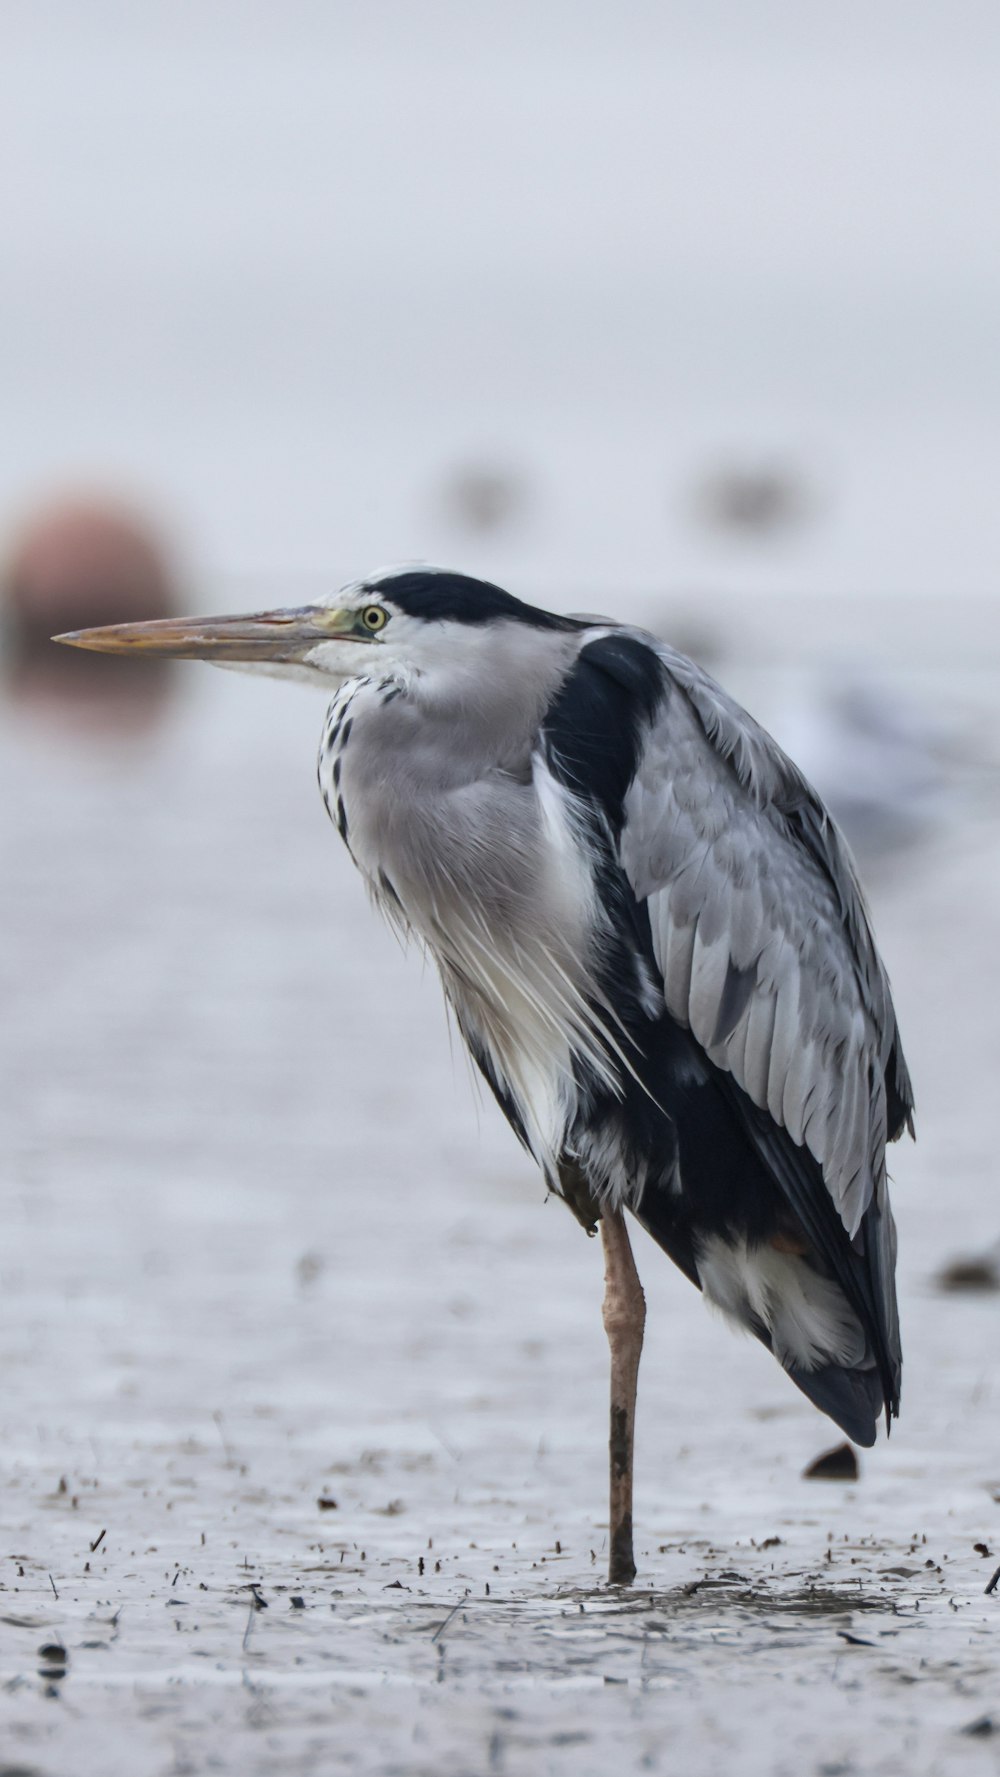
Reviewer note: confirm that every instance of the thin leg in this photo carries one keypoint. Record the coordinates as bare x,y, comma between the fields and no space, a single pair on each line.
624,1321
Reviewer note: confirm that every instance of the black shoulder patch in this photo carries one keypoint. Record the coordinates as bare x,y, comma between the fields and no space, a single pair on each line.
436,595
594,728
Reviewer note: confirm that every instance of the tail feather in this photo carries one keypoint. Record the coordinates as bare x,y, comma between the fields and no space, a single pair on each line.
851,1398
851,1393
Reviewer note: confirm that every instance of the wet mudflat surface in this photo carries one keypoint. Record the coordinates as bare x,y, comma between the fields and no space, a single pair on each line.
302,1418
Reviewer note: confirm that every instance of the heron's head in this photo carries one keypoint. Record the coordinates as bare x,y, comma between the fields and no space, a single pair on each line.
413,619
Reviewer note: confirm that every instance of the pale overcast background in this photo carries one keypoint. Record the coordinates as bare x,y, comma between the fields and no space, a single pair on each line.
688,314
295,273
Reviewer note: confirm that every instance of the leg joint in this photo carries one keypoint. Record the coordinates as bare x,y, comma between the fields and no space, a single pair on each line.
625,1314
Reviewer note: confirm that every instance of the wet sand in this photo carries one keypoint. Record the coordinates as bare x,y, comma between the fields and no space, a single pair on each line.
303,1405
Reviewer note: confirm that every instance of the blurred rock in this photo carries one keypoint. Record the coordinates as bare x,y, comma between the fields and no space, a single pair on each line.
974,1274
753,499
981,1729
486,498
307,1270
77,562
838,1464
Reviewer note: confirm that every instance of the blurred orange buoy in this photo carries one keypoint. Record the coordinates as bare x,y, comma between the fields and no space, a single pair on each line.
79,560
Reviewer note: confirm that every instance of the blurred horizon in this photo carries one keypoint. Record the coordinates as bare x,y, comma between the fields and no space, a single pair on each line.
653,300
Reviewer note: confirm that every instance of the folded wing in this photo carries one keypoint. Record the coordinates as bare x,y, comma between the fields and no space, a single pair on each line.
761,933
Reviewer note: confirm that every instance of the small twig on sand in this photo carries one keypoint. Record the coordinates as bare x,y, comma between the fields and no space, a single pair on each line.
226,1451
994,1582
257,1602
52,1583
439,1631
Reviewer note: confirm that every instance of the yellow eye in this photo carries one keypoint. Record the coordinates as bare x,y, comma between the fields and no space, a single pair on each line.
374,618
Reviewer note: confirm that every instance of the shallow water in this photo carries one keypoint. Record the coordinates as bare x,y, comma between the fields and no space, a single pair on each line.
261,1250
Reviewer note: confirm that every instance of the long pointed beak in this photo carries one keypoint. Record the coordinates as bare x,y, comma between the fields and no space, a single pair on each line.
266,635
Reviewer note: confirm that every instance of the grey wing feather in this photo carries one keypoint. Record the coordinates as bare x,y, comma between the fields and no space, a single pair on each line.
761,933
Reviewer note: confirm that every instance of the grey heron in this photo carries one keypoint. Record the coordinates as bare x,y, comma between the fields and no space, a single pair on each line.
653,940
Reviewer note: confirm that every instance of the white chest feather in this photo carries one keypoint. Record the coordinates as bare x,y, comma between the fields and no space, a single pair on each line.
492,871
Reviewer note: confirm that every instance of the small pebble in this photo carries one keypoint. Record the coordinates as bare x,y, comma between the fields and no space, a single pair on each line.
839,1464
